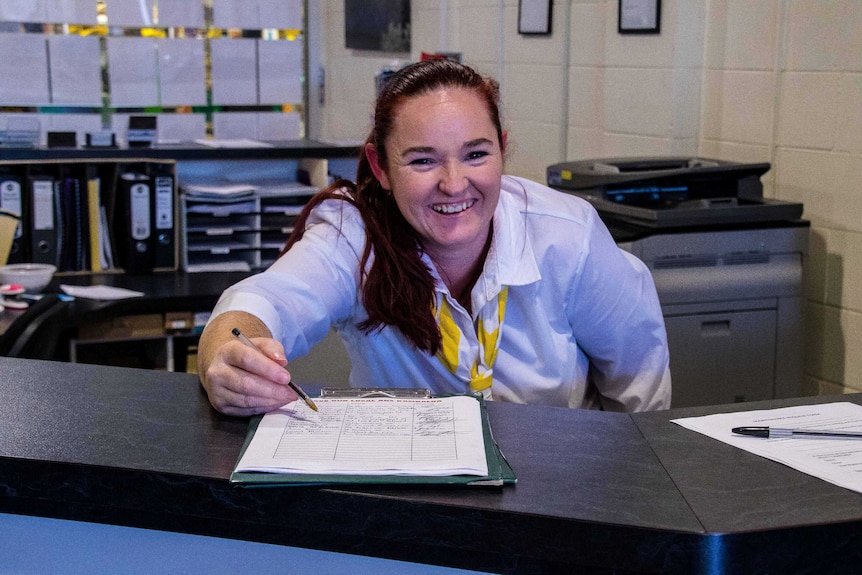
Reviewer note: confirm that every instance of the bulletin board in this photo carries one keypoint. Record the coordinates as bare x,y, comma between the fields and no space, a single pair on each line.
220,69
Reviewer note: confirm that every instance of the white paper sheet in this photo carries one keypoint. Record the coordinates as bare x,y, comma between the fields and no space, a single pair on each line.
281,14
222,266
274,126
182,79
215,190
23,11
236,14
181,127
350,436
76,76
837,461
132,68
72,11
23,70
233,143
235,127
103,293
280,71
234,65
135,13
255,14
181,13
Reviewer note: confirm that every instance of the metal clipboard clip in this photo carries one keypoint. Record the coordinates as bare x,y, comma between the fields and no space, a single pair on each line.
390,392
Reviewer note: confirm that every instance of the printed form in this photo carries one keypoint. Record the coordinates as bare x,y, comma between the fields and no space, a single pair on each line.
379,436
836,460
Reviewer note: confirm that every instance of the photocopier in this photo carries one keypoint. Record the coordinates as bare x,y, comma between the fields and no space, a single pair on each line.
727,264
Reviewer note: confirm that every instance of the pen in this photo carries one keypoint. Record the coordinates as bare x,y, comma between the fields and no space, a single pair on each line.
292,385
772,432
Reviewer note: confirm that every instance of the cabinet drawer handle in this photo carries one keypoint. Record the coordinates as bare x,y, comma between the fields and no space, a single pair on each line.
715,328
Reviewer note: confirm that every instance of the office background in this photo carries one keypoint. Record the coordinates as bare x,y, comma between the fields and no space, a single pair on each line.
772,80
223,68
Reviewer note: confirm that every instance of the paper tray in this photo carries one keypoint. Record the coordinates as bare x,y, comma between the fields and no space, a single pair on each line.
740,212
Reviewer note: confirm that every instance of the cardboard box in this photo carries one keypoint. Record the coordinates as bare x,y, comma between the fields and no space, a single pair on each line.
179,321
124,327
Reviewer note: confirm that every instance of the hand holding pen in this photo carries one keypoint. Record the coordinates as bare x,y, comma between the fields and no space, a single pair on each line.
239,335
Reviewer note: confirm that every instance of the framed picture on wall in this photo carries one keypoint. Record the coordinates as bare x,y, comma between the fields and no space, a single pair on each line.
534,16
639,17
379,25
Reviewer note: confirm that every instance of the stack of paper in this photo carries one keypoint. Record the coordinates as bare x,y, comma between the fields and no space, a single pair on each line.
379,440
218,191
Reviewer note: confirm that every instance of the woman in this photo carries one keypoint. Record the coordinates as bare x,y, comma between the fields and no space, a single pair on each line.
440,272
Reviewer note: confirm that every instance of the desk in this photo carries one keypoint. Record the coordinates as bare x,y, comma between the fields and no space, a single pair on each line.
163,292
596,492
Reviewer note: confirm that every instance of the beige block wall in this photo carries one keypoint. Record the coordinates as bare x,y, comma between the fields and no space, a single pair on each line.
742,80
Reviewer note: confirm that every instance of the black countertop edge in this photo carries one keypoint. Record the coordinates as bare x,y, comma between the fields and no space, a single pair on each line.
360,521
288,149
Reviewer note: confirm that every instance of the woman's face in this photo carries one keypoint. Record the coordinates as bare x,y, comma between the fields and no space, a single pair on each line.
444,165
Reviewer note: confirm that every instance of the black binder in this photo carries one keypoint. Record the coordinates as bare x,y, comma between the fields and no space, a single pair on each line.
41,223
134,236
164,244
11,200
72,223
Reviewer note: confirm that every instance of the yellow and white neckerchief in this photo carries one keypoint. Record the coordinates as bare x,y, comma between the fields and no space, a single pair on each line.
476,370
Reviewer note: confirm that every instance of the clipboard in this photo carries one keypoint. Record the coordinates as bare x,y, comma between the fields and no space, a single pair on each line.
500,472
402,392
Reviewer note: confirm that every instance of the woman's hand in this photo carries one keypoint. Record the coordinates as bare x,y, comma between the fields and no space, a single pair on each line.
239,380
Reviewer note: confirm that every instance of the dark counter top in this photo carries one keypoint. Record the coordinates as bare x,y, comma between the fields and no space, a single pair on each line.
51,323
162,290
600,491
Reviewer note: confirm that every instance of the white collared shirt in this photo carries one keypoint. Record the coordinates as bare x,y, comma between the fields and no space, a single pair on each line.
579,309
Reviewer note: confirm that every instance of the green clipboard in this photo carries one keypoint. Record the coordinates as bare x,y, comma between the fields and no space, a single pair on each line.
499,471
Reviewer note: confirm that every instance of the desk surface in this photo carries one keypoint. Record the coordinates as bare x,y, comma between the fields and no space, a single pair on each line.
602,491
163,292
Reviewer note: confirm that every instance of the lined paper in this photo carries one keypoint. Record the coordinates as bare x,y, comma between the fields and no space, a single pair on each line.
380,436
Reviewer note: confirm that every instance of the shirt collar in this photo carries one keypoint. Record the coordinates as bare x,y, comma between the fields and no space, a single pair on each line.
510,260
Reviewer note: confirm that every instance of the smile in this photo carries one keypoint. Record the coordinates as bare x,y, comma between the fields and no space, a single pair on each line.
453,208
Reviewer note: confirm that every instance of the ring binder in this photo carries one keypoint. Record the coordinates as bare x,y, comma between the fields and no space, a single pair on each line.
135,232
42,228
163,222
11,200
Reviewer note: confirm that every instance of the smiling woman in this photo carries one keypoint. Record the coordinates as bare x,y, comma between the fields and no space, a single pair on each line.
444,168
439,271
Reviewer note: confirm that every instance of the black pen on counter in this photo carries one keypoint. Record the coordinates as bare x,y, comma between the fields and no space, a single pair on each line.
240,336
776,432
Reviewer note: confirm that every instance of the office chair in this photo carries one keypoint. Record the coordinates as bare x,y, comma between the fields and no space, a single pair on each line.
33,334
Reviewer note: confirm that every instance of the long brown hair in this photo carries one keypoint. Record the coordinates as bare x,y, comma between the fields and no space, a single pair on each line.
398,289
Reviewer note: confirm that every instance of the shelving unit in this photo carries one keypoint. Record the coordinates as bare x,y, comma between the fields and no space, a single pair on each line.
245,234
75,213
259,224
167,351
240,234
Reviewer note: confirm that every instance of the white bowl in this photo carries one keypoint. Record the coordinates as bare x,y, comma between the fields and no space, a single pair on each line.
34,277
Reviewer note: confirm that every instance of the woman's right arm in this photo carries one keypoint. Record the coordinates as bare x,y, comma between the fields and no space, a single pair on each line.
239,380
